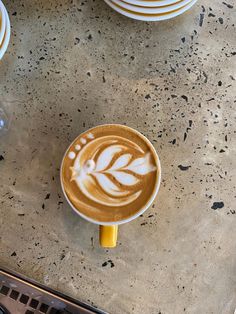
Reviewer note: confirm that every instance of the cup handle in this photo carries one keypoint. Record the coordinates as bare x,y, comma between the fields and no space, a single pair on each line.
108,236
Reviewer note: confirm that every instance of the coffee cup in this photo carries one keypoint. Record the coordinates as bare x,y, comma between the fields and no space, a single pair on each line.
110,175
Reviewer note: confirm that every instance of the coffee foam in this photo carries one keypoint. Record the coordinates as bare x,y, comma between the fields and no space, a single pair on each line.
110,173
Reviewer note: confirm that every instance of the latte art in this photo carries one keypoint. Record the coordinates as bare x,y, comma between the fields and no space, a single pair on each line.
115,177
108,173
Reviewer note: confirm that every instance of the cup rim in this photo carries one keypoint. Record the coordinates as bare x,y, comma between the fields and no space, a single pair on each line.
3,24
7,35
143,209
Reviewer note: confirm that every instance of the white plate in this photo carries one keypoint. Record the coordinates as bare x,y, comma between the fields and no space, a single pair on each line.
151,3
6,39
2,21
150,17
152,10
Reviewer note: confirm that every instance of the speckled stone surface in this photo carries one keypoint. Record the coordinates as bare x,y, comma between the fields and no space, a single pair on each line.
74,64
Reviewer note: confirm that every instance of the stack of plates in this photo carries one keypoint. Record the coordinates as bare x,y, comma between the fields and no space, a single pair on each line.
151,10
5,29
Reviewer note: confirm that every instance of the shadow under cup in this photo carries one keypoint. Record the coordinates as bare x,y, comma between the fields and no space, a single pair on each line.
110,175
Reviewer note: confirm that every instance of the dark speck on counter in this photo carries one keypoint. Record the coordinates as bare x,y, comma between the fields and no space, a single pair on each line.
217,205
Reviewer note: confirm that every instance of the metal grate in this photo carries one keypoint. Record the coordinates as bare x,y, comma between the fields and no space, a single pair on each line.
4,290
24,299
14,294
19,295
43,308
34,304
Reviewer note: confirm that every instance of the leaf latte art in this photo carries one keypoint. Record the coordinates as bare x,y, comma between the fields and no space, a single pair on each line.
108,173
112,176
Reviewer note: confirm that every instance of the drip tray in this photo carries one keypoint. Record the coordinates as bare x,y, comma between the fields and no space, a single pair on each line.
20,295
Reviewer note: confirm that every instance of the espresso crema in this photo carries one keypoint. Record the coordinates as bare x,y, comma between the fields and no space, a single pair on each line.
110,173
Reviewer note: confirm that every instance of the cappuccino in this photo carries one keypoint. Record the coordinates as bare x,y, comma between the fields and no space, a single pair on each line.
110,173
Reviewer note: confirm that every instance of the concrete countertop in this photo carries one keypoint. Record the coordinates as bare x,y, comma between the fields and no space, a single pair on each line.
74,64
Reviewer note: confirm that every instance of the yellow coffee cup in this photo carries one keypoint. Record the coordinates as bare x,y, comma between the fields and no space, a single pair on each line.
110,175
